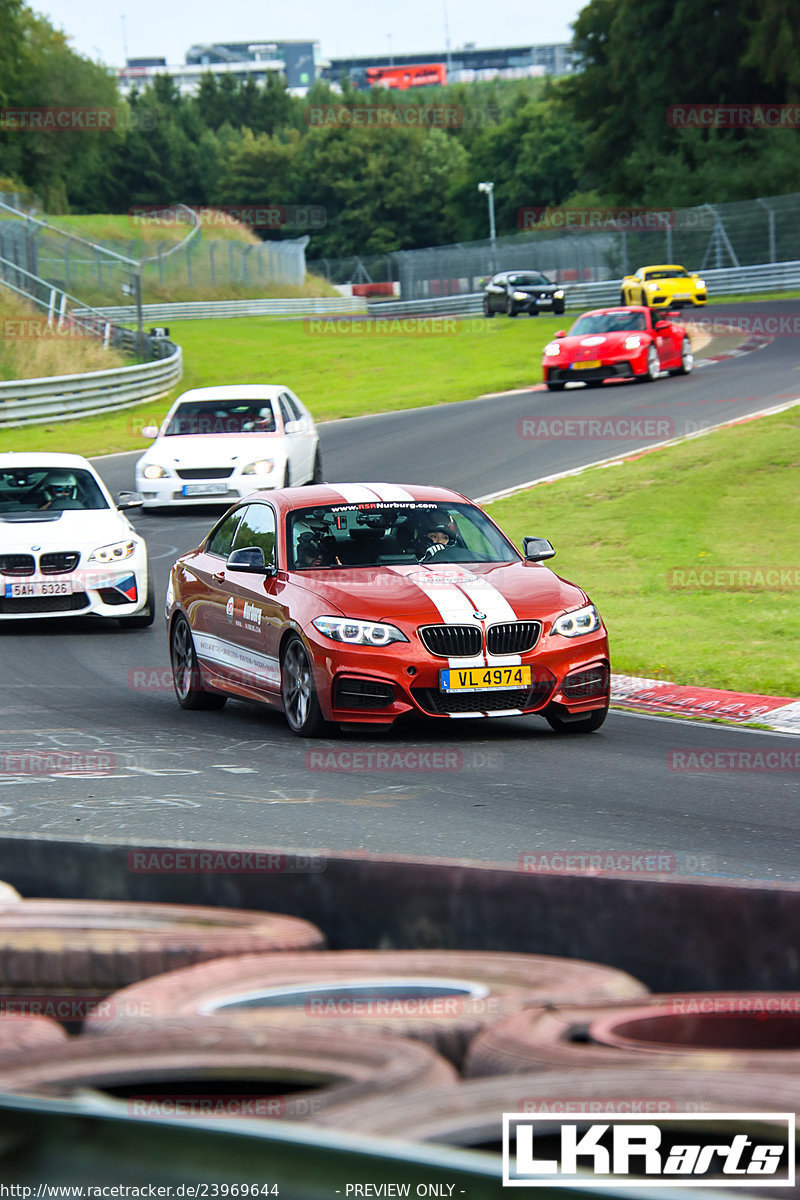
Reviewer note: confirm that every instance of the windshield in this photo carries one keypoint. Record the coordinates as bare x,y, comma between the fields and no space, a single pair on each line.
530,279
667,273
48,489
221,416
609,322
383,534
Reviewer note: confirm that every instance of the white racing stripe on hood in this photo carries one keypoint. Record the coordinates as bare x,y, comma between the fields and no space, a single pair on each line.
457,595
356,493
390,491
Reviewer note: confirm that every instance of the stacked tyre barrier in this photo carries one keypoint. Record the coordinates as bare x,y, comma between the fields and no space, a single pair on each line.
185,1011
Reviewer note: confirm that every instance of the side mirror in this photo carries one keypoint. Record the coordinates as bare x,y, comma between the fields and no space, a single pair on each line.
251,560
662,326
150,431
128,500
535,549
561,333
293,427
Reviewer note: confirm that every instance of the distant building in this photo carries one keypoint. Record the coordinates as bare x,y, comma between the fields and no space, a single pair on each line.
300,64
464,65
299,57
296,61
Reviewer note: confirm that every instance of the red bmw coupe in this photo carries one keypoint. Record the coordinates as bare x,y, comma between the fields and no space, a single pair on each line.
616,343
361,603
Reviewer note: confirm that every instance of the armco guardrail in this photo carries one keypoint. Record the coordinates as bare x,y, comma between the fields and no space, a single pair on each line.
207,310
65,397
468,304
766,277
760,278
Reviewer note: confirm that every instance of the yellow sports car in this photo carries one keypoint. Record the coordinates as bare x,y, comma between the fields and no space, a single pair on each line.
663,287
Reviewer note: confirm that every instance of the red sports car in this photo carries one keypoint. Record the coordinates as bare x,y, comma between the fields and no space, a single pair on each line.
361,603
616,343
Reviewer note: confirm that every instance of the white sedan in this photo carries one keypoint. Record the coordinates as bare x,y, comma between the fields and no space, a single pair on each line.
219,444
66,548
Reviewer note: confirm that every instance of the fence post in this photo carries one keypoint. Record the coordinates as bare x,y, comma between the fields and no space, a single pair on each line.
771,217
67,276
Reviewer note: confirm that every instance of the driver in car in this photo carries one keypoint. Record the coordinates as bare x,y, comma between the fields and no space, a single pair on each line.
60,491
315,551
438,536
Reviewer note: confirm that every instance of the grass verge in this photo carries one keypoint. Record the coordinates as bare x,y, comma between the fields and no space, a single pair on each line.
632,535
29,350
337,374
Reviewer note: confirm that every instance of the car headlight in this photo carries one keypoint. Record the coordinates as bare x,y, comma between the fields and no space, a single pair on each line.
358,633
633,343
116,552
652,287
559,295
699,283
261,466
154,471
521,296
552,350
577,622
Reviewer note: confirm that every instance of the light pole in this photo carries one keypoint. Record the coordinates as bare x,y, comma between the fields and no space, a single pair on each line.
488,188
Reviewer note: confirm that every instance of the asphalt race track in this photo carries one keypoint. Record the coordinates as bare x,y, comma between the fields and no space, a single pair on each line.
487,791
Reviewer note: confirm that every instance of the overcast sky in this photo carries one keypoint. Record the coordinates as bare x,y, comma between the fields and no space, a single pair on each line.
358,27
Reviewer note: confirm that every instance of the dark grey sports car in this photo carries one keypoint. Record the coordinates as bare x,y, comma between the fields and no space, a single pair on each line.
514,292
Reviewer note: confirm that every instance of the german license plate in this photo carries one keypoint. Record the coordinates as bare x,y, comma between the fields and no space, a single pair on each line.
60,587
205,489
584,366
483,679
